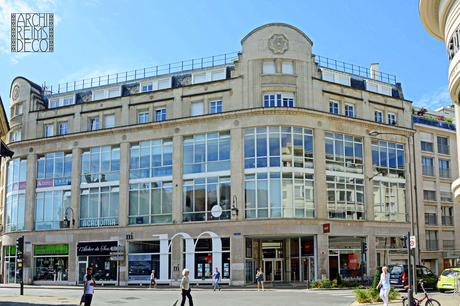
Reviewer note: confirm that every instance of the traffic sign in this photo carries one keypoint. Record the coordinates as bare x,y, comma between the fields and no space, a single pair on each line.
412,242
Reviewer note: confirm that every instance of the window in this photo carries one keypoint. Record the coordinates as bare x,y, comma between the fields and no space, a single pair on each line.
207,152
150,203
53,103
215,106
54,170
336,77
447,215
113,92
160,114
94,123
99,94
17,109
61,101
429,195
15,195
269,67
100,164
143,117
15,135
99,206
431,240
344,153
444,168
279,100
109,121
146,87
427,166
443,145
378,88
202,194
391,118
378,116
446,196
334,107
426,146
197,108
155,85
349,110
287,68
431,216
199,77
63,128
217,75
49,130
67,101
50,209
152,158
389,201
388,158
164,83
345,197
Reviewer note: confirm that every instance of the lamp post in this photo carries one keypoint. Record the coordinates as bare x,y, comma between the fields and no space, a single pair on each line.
413,196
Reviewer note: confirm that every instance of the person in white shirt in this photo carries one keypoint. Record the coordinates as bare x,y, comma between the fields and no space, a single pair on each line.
185,288
89,289
384,285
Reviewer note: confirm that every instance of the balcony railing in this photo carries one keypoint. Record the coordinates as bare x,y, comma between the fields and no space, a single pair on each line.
439,124
431,245
356,70
143,73
447,220
448,244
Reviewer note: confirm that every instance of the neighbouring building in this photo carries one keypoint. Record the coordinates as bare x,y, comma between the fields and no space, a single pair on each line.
256,159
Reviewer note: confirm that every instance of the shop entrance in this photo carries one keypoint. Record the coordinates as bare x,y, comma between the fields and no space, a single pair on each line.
308,271
273,269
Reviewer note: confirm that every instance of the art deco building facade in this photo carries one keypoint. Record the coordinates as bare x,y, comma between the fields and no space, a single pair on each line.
257,159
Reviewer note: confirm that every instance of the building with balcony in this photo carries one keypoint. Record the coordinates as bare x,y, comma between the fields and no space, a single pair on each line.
255,159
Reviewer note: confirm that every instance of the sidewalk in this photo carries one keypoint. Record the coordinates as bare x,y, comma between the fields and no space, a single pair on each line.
26,300
444,299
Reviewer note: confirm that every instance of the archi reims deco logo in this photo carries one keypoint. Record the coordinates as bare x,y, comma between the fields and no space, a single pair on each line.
32,32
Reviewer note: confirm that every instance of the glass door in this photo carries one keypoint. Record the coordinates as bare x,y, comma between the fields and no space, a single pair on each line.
82,270
10,272
268,270
273,270
308,270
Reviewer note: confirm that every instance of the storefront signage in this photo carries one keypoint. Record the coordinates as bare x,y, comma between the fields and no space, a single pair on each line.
57,249
44,183
95,248
326,228
99,222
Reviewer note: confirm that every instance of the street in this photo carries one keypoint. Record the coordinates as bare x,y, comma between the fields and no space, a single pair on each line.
201,297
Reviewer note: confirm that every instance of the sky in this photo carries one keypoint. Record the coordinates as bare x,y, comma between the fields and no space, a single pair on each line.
100,37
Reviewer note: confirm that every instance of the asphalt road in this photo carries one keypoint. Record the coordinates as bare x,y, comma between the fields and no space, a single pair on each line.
201,297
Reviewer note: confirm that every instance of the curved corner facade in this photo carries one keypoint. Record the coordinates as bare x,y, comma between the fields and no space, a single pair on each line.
256,159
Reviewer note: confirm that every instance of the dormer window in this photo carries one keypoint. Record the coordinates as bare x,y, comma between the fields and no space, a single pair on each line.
378,88
268,67
336,77
208,76
155,85
61,101
106,93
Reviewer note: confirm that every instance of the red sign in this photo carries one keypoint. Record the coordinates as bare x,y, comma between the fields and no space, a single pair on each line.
353,263
326,228
208,259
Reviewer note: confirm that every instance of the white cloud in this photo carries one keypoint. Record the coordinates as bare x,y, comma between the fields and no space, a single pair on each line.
20,6
435,99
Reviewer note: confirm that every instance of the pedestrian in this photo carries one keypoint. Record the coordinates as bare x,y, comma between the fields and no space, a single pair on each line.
185,288
153,282
216,279
260,279
88,289
384,285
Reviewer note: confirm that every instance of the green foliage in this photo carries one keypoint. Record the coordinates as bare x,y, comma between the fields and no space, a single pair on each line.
372,295
376,278
394,294
325,283
363,295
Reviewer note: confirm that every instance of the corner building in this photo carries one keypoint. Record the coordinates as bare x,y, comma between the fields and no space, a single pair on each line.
238,161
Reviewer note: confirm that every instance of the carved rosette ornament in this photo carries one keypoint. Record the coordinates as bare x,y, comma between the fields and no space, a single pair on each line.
15,94
278,43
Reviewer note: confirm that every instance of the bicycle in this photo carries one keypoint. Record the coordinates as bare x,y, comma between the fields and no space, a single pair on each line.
418,302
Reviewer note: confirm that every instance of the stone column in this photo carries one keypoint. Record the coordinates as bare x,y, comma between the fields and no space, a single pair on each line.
371,254
368,182
29,213
177,179
237,169
322,249
124,185
74,204
320,174
237,260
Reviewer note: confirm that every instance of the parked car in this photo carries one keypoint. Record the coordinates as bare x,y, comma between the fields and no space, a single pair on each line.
399,276
447,279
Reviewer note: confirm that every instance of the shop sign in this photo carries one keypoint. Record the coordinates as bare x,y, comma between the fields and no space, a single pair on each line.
44,183
95,248
47,249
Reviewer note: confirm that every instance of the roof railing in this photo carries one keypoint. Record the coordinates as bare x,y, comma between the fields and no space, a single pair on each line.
143,73
356,70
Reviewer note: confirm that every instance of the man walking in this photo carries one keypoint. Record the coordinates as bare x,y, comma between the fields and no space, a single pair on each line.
216,279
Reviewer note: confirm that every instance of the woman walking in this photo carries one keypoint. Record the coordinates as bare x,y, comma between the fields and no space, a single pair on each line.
384,285
185,288
153,282
88,289
260,279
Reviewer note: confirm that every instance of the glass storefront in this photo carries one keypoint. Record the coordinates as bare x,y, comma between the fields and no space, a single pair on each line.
143,257
9,271
97,255
345,258
203,259
51,263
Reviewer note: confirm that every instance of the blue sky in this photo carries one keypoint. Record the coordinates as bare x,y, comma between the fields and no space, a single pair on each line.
96,37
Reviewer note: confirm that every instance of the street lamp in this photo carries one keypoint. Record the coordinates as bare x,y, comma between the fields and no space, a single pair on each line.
413,196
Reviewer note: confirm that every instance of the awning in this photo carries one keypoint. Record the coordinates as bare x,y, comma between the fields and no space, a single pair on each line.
5,151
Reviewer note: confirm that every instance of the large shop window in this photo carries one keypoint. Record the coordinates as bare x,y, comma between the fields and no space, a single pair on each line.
96,254
15,195
9,261
207,199
143,257
203,259
50,208
345,258
284,189
54,169
99,206
51,262
151,158
389,201
150,203
207,152
388,158
345,196
100,164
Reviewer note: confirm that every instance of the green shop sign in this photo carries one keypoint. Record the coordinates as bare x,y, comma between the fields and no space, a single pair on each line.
54,249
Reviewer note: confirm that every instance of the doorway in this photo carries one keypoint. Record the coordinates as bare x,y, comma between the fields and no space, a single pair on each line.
333,266
273,270
308,269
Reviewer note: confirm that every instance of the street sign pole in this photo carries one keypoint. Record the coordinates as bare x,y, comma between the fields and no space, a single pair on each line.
117,254
409,276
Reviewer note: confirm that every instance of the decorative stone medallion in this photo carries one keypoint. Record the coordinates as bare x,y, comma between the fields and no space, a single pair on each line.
278,43
15,92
